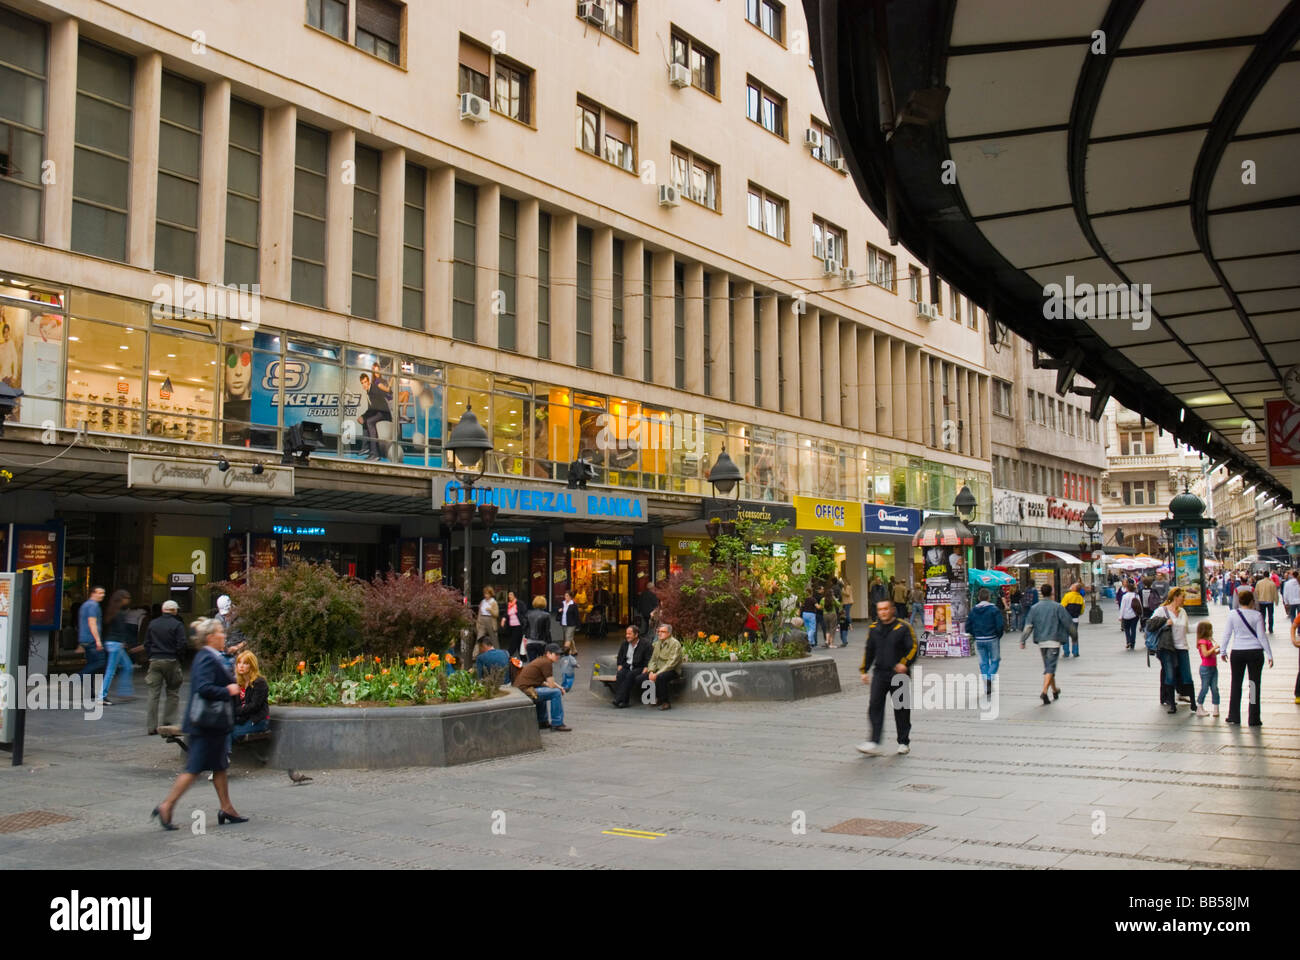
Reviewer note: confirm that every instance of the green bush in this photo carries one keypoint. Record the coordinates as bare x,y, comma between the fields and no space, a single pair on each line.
303,611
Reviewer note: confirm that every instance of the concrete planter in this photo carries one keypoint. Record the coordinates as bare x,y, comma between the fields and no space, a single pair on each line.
730,681
325,738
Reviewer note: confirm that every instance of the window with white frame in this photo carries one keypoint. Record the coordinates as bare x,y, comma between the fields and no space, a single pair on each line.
828,241
765,107
880,268
605,134
695,177
767,212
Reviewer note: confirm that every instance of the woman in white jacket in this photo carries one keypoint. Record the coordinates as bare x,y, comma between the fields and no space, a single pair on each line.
1245,643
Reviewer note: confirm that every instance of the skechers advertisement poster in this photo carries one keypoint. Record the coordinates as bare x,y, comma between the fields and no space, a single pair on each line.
408,431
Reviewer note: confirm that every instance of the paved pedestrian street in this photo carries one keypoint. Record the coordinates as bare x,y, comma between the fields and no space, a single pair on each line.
1104,778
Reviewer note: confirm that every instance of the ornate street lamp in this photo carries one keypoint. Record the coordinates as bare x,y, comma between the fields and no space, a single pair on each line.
469,445
1091,523
965,505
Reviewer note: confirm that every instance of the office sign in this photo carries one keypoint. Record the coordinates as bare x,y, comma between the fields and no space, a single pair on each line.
897,520
836,516
555,502
146,472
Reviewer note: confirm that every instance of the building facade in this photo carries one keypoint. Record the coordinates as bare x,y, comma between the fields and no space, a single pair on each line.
1048,460
1145,468
627,238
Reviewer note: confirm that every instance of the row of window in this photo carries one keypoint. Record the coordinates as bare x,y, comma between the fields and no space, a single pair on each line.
1038,478
1057,414
121,367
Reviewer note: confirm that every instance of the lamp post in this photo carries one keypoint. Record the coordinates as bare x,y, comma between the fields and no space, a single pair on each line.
1091,523
724,477
468,445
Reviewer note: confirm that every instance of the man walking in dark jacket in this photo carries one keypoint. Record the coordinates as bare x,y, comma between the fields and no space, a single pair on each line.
164,642
633,656
891,648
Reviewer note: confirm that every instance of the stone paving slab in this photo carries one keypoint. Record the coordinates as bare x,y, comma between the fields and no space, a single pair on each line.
722,782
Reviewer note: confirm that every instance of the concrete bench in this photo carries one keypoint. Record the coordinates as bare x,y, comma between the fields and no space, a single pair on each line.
174,734
605,673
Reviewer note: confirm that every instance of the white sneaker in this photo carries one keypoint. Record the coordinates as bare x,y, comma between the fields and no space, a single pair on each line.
904,748
870,748
1202,712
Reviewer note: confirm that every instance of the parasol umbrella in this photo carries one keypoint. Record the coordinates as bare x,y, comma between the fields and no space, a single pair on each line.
990,578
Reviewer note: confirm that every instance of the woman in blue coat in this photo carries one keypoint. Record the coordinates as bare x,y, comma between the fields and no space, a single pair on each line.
209,718
986,625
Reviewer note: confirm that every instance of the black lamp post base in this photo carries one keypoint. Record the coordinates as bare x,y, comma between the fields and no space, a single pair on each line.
1094,615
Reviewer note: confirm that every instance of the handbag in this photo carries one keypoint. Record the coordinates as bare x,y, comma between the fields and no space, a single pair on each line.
214,715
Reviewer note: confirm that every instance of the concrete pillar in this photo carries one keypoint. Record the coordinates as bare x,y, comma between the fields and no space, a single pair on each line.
810,363
831,388
339,191
275,259
439,248
526,277
634,309
867,381
849,378
392,232
789,327
962,411
693,289
884,393
60,132
986,418
602,301
662,347
898,358
564,288
214,170
487,261
146,106
916,411
769,338
720,336
744,293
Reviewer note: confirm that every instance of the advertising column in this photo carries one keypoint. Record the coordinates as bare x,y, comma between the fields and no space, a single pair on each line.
15,599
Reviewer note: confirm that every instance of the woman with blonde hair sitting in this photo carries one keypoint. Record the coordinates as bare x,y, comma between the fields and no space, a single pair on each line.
252,715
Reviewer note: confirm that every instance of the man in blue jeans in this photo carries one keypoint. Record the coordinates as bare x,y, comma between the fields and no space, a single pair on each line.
90,630
537,684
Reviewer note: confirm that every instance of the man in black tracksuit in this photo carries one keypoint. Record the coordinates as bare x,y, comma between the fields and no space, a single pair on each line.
891,648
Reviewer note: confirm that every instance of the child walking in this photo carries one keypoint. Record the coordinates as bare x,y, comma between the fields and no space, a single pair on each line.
1209,651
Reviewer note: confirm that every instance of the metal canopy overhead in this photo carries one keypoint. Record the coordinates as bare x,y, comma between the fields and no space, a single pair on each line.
1168,160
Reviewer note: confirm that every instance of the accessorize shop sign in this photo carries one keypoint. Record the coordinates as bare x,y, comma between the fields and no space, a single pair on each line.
518,499
175,473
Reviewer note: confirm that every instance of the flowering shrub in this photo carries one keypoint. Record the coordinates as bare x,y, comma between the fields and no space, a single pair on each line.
366,681
402,612
302,611
711,648
695,601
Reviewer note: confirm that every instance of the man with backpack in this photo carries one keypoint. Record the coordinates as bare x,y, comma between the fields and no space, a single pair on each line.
1151,601
1130,613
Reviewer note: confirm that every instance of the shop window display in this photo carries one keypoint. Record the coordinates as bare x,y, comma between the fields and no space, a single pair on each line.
182,388
31,350
622,439
511,413
105,376
245,384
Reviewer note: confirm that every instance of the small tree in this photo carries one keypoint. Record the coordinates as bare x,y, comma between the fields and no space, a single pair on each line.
304,611
749,572
402,612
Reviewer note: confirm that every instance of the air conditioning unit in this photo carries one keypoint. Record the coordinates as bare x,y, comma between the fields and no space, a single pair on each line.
679,75
592,12
669,196
830,266
849,275
812,137
473,108
838,165
927,310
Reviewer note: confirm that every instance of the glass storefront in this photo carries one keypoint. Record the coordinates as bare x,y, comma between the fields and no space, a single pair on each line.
124,367
599,583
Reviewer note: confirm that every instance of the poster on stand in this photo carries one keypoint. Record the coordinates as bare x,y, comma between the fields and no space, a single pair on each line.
1187,566
39,548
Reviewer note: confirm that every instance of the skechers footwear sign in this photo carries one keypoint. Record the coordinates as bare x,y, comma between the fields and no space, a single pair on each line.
518,499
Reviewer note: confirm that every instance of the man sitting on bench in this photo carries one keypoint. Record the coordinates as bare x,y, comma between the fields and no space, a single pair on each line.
664,667
633,655
490,658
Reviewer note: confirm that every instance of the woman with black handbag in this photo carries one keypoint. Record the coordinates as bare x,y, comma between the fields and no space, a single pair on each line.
209,718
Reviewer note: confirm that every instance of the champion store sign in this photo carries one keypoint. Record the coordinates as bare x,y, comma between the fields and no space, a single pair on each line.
904,521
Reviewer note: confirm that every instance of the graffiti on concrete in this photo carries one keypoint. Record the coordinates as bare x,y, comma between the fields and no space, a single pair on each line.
716,684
